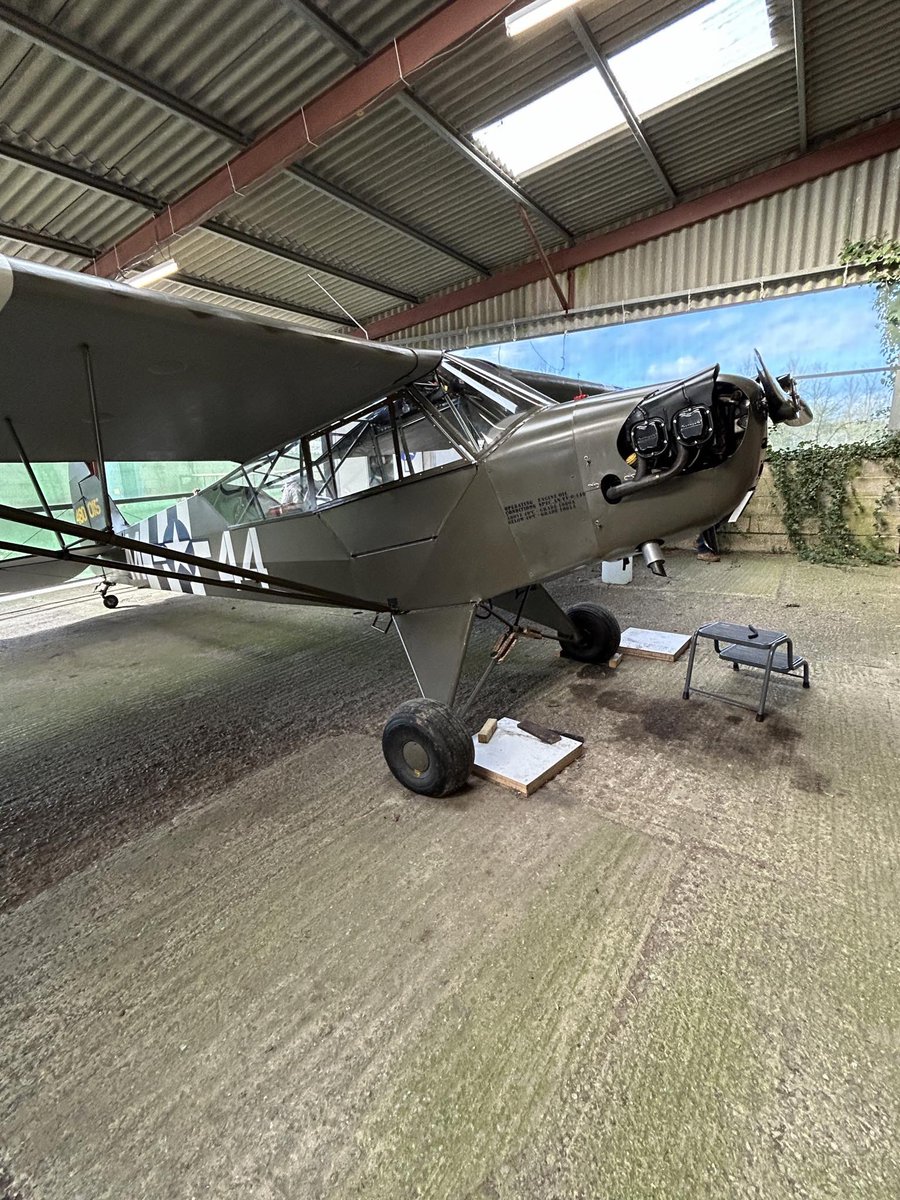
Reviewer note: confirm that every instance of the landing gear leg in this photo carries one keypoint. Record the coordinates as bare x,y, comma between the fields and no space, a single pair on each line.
587,632
425,743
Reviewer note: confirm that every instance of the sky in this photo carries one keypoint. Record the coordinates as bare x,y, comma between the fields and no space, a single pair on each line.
834,330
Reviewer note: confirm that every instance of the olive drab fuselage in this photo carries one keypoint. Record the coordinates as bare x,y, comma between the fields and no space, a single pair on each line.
533,507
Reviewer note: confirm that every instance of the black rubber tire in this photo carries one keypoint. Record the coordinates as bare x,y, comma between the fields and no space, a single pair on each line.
110,601
433,734
598,634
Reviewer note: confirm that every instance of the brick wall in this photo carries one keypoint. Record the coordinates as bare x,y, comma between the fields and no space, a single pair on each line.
761,527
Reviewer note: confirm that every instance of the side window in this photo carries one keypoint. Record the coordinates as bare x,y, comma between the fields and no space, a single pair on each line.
395,440
425,445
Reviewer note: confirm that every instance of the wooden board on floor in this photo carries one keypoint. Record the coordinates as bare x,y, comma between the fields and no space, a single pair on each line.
654,643
517,760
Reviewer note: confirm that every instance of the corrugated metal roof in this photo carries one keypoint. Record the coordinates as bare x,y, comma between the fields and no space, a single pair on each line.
599,185
746,119
13,248
248,63
852,60
286,210
373,23
494,74
390,159
185,292
218,259
51,104
789,235
43,203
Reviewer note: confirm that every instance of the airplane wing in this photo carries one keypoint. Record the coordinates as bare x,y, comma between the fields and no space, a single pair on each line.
173,379
26,573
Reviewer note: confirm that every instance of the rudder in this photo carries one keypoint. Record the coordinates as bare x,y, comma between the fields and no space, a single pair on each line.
87,499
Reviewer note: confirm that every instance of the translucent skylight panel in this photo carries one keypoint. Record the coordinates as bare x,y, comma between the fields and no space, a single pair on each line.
692,51
554,124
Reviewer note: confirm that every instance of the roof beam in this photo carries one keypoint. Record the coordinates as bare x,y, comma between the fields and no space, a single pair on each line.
112,187
833,157
43,35
800,73
600,62
307,260
49,241
367,86
339,37
237,293
327,188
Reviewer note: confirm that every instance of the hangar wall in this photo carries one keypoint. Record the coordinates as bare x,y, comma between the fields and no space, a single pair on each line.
786,243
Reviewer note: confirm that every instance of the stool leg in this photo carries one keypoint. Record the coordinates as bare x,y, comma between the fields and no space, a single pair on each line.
686,694
806,675
734,666
760,716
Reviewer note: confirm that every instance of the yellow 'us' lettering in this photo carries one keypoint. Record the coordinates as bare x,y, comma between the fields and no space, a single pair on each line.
93,508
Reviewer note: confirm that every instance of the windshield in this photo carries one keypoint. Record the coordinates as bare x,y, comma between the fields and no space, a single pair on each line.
477,405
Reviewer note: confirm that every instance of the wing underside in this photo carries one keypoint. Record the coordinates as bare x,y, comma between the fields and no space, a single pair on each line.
172,380
29,573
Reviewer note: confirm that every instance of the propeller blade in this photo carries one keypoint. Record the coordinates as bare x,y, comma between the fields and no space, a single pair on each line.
784,404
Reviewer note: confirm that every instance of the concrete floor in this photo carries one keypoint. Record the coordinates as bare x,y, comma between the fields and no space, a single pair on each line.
237,960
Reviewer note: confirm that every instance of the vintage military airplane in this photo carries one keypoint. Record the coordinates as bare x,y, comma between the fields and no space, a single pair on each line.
412,483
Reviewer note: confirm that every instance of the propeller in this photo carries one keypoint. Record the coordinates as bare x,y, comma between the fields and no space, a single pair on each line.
785,405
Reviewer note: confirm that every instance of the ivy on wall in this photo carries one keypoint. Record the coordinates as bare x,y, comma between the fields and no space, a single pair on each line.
882,257
815,484
818,501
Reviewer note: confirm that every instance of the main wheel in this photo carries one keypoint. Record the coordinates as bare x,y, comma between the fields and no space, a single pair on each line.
598,634
110,601
428,748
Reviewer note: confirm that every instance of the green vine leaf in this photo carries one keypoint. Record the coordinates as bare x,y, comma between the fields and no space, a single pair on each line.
815,487
882,257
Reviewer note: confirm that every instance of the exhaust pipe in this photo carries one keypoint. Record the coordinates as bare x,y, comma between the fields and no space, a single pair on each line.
654,558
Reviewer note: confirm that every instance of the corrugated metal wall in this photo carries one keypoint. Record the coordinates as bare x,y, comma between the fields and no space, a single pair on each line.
787,243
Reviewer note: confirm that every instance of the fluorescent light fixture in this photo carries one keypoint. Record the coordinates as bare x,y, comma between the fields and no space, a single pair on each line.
534,14
153,274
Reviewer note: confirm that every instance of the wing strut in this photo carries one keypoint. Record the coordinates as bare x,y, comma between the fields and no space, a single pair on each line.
26,463
286,588
95,417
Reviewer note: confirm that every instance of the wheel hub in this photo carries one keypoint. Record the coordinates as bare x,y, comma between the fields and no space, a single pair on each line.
416,757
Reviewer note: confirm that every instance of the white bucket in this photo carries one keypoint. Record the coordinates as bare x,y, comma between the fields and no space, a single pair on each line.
617,571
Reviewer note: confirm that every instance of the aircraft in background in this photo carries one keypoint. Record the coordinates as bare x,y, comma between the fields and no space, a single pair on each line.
410,483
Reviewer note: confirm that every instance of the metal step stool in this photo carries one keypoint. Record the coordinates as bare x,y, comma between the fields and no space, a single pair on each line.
747,646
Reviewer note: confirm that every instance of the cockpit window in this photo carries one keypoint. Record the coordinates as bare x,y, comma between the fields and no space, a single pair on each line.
439,422
478,405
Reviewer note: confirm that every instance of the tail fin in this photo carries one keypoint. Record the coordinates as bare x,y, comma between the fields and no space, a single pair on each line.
87,499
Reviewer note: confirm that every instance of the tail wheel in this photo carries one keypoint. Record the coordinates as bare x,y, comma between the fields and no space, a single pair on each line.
110,601
428,748
598,634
